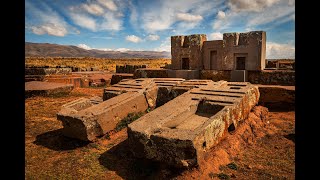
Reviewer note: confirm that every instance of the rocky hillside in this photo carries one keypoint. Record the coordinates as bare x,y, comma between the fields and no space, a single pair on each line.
56,50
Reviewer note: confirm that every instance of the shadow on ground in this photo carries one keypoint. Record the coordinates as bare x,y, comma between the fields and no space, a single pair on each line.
121,160
56,141
279,106
291,137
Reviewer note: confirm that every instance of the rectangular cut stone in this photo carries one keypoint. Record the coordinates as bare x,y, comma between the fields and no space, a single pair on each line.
180,131
83,120
38,88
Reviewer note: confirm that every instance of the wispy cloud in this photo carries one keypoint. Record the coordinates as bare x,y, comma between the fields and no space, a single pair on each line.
175,14
48,21
84,21
278,50
153,37
188,17
133,38
165,45
109,4
216,36
249,14
250,5
94,9
98,15
50,28
84,46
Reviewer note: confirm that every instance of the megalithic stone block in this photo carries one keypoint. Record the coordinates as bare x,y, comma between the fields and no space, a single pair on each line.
83,120
179,132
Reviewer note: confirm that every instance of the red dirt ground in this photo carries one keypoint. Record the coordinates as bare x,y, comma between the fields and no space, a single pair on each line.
257,149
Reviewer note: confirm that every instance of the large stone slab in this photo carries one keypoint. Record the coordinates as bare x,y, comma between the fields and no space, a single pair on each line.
179,132
38,88
127,85
82,119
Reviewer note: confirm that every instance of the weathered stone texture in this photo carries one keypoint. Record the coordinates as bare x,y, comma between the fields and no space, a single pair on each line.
119,76
91,121
193,52
189,47
179,135
215,75
38,88
272,77
47,71
151,73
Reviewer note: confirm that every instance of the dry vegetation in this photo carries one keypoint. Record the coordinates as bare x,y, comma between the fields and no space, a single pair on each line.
101,63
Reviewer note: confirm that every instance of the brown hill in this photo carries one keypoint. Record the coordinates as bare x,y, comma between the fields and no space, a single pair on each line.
56,50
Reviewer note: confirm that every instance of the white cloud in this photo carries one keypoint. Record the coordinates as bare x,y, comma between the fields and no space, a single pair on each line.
248,14
51,29
84,21
153,37
47,21
109,4
189,17
221,15
93,9
109,16
110,22
133,38
165,45
278,51
178,15
216,36
84,46
250,5
122,49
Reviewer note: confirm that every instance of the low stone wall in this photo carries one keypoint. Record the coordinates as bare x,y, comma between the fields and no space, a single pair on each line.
128,68
151,73
272,77
268,77
118,77
215,75
47,71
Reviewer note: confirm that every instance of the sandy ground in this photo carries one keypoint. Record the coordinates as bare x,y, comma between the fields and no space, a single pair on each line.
258,149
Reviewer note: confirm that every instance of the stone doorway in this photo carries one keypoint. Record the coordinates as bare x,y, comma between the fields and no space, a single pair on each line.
185,63
241,63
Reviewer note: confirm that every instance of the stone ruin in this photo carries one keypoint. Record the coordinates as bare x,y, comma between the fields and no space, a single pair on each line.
193,116
128,68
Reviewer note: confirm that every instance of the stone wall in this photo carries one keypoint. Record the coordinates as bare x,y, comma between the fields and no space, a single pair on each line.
187,47
271,77
128,68
215,75
151,73
47,71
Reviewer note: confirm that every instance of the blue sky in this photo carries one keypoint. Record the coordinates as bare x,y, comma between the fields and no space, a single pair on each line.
148,24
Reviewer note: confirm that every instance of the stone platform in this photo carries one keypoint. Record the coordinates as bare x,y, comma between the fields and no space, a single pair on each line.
38,88
180,131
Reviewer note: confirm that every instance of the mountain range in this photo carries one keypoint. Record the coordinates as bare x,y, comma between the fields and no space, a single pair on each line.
56,50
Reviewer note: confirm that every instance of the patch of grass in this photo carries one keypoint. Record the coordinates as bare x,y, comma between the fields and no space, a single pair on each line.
127,120
223,176
211,175
107,136
233,166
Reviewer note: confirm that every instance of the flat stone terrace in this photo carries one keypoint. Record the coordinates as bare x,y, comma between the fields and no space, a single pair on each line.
180,131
